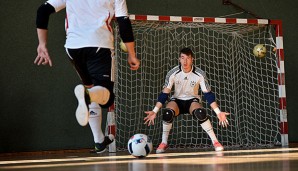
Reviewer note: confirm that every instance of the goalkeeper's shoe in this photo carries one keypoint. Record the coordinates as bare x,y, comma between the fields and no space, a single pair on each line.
162,148
82,112
218,146
101,147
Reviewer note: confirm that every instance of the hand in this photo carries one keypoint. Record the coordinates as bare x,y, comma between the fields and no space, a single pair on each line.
133,62
43,56
223,119
149,119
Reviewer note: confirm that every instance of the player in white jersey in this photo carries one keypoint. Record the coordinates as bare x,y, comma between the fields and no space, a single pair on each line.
89,45
186,79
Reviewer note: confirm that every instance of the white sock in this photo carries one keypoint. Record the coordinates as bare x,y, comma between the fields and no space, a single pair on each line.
95,120
209,130
166,128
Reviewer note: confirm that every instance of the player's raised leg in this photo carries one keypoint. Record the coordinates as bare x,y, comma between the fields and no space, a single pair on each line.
97,94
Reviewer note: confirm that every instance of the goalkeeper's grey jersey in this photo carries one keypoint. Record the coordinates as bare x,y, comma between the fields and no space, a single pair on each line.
186,85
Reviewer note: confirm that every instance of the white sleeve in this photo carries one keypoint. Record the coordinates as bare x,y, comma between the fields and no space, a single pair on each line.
57,4
169,82
204,84
120,8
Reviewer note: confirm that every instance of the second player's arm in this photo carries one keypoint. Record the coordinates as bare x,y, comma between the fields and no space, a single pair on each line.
42,20
127,37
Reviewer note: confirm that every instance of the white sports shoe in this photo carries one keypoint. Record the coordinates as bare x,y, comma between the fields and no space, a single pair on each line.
218,146
82,112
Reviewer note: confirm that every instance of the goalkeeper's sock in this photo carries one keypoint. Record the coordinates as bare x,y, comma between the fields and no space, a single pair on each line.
209,130
95,120
166,128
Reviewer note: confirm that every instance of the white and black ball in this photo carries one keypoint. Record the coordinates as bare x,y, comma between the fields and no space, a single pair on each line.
139,145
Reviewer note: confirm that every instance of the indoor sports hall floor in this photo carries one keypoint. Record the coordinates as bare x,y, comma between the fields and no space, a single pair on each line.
277,159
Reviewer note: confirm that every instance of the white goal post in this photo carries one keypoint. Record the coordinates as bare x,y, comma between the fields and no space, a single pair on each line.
252,89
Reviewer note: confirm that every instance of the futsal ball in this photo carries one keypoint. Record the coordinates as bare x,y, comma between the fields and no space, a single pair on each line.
123,47
259,50
139,145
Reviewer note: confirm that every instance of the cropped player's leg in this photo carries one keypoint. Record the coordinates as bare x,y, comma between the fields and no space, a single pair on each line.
167,117
101,94
95,119
95,122
94,66
200,114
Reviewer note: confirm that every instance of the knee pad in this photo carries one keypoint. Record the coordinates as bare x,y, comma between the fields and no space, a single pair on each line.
99,94
200,115
168,115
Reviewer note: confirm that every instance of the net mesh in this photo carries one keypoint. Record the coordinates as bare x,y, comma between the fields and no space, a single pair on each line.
244,85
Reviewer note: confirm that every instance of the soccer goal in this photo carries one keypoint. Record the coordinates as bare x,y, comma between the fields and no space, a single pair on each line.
250,88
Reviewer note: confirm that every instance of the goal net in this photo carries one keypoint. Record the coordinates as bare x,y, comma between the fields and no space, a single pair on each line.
245,86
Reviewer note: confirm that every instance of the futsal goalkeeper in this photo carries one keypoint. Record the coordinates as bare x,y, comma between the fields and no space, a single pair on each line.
187,79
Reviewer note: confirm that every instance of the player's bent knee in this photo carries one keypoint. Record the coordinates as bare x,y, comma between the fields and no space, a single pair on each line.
99,94
168,115
200,115
110,101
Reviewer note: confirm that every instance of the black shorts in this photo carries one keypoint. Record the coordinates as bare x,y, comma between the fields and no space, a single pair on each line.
184,105
94,66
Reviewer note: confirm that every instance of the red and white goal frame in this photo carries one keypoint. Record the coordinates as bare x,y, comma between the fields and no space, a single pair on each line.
283,127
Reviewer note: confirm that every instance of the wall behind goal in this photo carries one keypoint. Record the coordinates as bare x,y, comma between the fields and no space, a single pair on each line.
37,103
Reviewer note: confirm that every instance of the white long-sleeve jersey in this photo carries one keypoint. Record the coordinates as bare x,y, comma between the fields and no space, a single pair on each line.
187,85
87,22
